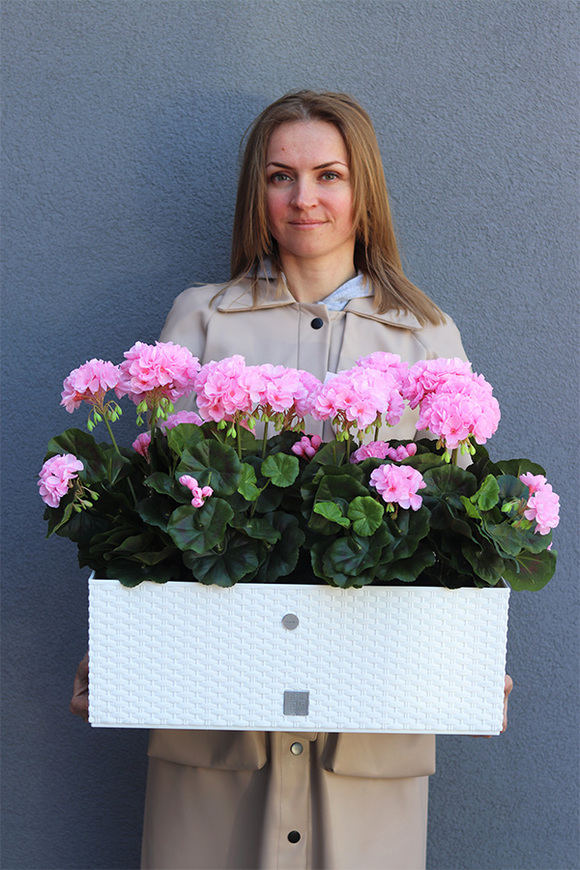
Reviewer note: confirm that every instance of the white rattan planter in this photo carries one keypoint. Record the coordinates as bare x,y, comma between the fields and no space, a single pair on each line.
297,658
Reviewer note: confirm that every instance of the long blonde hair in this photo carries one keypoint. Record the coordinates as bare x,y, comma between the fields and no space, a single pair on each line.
376,253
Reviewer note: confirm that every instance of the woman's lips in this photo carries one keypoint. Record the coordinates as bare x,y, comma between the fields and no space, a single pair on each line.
306,225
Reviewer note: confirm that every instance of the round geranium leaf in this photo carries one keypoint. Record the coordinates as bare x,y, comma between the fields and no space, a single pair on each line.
487,496
247,487
447,483
531,570
200,529
332,511
366,514
212,464
239,558
184,437
282,558
281,469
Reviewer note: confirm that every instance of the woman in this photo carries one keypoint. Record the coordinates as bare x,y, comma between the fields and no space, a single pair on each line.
316,283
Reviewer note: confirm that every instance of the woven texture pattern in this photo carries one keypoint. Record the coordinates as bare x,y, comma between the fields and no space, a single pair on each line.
184,655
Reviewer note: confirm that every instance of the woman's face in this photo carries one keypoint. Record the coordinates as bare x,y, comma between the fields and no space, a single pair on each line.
309,193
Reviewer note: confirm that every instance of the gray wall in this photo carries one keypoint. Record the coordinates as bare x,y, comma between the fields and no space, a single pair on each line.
121,130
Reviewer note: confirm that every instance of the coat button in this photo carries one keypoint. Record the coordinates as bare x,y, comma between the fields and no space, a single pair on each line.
294,836
317,323
296,749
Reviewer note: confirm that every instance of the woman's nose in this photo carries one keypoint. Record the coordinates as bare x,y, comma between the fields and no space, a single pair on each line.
304,194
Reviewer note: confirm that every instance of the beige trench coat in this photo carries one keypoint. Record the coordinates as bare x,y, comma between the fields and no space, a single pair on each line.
283,801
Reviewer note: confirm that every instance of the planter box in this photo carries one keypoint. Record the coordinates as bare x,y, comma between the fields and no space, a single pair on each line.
297,658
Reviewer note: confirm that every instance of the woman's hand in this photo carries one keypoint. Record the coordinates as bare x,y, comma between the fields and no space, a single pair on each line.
508,686
79,703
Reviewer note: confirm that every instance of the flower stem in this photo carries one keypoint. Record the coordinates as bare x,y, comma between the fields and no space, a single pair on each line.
265,439
111,436
116,446
454,453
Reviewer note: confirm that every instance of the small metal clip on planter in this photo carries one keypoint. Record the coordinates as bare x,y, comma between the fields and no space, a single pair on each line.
280,657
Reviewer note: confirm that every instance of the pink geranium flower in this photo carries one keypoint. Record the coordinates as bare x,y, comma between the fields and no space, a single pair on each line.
222,393
387,362
89,383
55,477
457,406
361,396
382,450
427,376
398,484
151,373
231,390
199,493
307,446
141,444
534,482
180,417
543,505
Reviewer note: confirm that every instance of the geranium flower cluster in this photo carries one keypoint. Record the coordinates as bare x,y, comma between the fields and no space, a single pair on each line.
398,484
543,505
89,383
360,397
155,376
56,476
454,403
383,450
386,362
199,493
232,391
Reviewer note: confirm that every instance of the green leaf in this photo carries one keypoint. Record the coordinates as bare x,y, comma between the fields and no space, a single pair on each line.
166,485
470,509
515,467
132,573
200,529
407,530
535,570
247,486
282,559
257,527
366,514
84,447
330,510
409,569
154,511
332,453
281,469
343,486
447,483
184,437
485,562
212,464
237,560
507,539
487,496
511,488
352,560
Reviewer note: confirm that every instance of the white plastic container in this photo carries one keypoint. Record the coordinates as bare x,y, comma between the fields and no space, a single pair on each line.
275,657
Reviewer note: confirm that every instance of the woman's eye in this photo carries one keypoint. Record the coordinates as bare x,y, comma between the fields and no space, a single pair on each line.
280,176
329,175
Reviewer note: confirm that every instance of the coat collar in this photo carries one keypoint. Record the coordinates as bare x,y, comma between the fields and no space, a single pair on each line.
238,297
